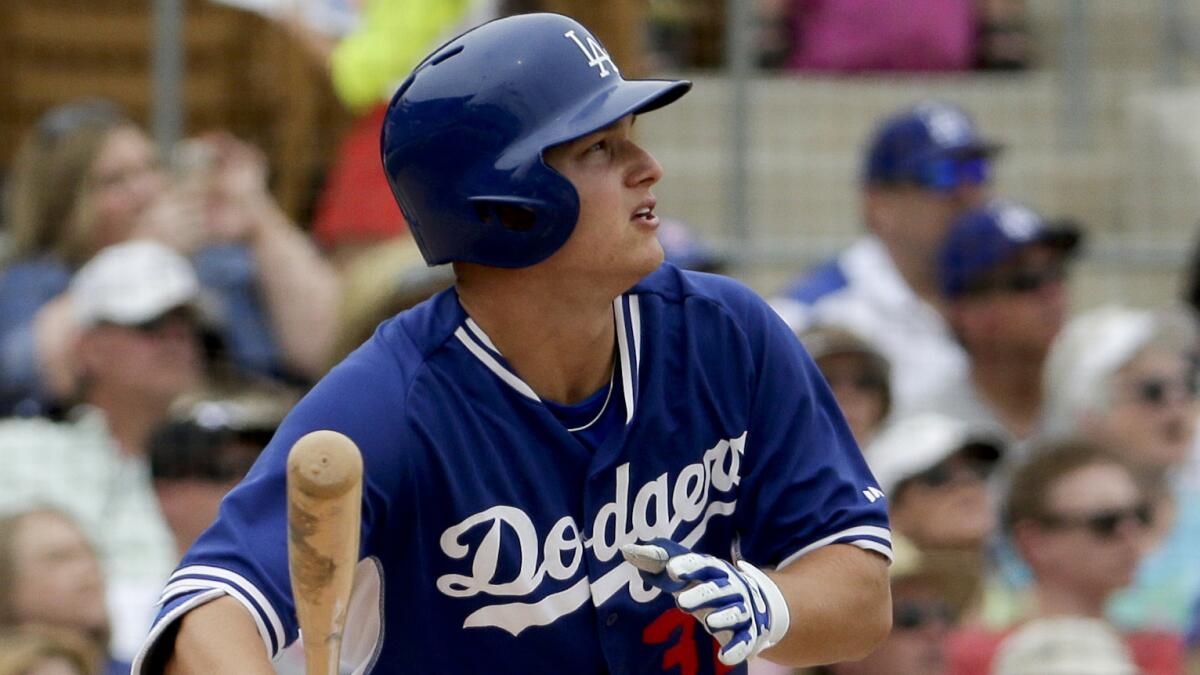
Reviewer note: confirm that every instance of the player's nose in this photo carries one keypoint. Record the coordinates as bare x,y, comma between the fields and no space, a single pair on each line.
646,170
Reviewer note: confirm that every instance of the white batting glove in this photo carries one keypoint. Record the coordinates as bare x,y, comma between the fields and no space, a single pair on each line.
740,606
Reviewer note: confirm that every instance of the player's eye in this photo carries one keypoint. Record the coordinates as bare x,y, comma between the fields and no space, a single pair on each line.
599,146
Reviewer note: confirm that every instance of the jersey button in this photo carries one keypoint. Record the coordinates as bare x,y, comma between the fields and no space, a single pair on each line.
612,619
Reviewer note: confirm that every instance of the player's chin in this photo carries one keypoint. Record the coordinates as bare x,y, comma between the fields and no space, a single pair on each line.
650,255
634,267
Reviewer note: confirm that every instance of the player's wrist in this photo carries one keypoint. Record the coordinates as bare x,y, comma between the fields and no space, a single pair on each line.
776,605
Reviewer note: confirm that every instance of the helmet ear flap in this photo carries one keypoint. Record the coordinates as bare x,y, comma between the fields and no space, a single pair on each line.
515,214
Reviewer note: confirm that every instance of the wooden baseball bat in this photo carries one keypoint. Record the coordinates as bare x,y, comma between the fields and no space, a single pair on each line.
324,492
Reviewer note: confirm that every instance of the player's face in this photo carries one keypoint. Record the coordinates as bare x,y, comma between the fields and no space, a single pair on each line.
58,576
124,179
615,234
1152,415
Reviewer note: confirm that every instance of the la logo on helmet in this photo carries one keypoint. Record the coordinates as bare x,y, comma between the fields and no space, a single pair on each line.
595,54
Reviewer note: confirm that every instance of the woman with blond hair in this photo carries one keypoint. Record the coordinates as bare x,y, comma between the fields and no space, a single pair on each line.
51,585
85,177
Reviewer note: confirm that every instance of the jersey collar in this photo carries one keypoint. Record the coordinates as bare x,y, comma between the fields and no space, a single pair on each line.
626,312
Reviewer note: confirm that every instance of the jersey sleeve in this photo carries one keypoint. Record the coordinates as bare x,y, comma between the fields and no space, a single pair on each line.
805,482
244,553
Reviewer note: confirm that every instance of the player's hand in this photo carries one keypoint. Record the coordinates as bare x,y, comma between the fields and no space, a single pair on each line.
738,605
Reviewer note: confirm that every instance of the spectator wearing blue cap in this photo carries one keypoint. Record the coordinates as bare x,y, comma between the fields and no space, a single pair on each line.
924,166
1001,271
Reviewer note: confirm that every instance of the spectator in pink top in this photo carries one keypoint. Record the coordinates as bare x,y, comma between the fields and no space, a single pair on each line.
853,36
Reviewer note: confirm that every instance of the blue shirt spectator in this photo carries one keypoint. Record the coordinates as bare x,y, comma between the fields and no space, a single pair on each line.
227,273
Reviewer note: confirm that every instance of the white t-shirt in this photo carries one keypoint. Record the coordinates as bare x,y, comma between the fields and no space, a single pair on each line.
861,290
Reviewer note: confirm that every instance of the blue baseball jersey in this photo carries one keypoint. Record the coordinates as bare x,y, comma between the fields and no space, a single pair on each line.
491,535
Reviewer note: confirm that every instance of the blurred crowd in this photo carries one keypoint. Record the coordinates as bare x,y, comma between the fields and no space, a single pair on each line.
1040,462
160,313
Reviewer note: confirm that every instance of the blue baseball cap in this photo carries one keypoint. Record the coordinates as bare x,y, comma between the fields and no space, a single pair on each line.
982,238
932,144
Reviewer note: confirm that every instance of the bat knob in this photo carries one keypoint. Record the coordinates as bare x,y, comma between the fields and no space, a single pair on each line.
324,464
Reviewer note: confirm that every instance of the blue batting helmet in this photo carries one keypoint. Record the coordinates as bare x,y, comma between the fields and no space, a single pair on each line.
464,135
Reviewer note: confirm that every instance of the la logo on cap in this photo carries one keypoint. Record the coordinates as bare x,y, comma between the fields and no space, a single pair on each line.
594,53
1019,223
946,125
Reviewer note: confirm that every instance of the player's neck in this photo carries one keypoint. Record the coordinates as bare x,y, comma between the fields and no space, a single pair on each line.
558,342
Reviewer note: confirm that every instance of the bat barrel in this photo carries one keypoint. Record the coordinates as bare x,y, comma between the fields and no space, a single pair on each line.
324,488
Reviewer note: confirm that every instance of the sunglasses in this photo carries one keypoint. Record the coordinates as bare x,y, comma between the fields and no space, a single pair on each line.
947,173
1103,524
1019,282
954,471
914,615
1158,391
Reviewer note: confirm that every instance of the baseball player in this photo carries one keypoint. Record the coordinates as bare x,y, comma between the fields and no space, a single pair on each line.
571,404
